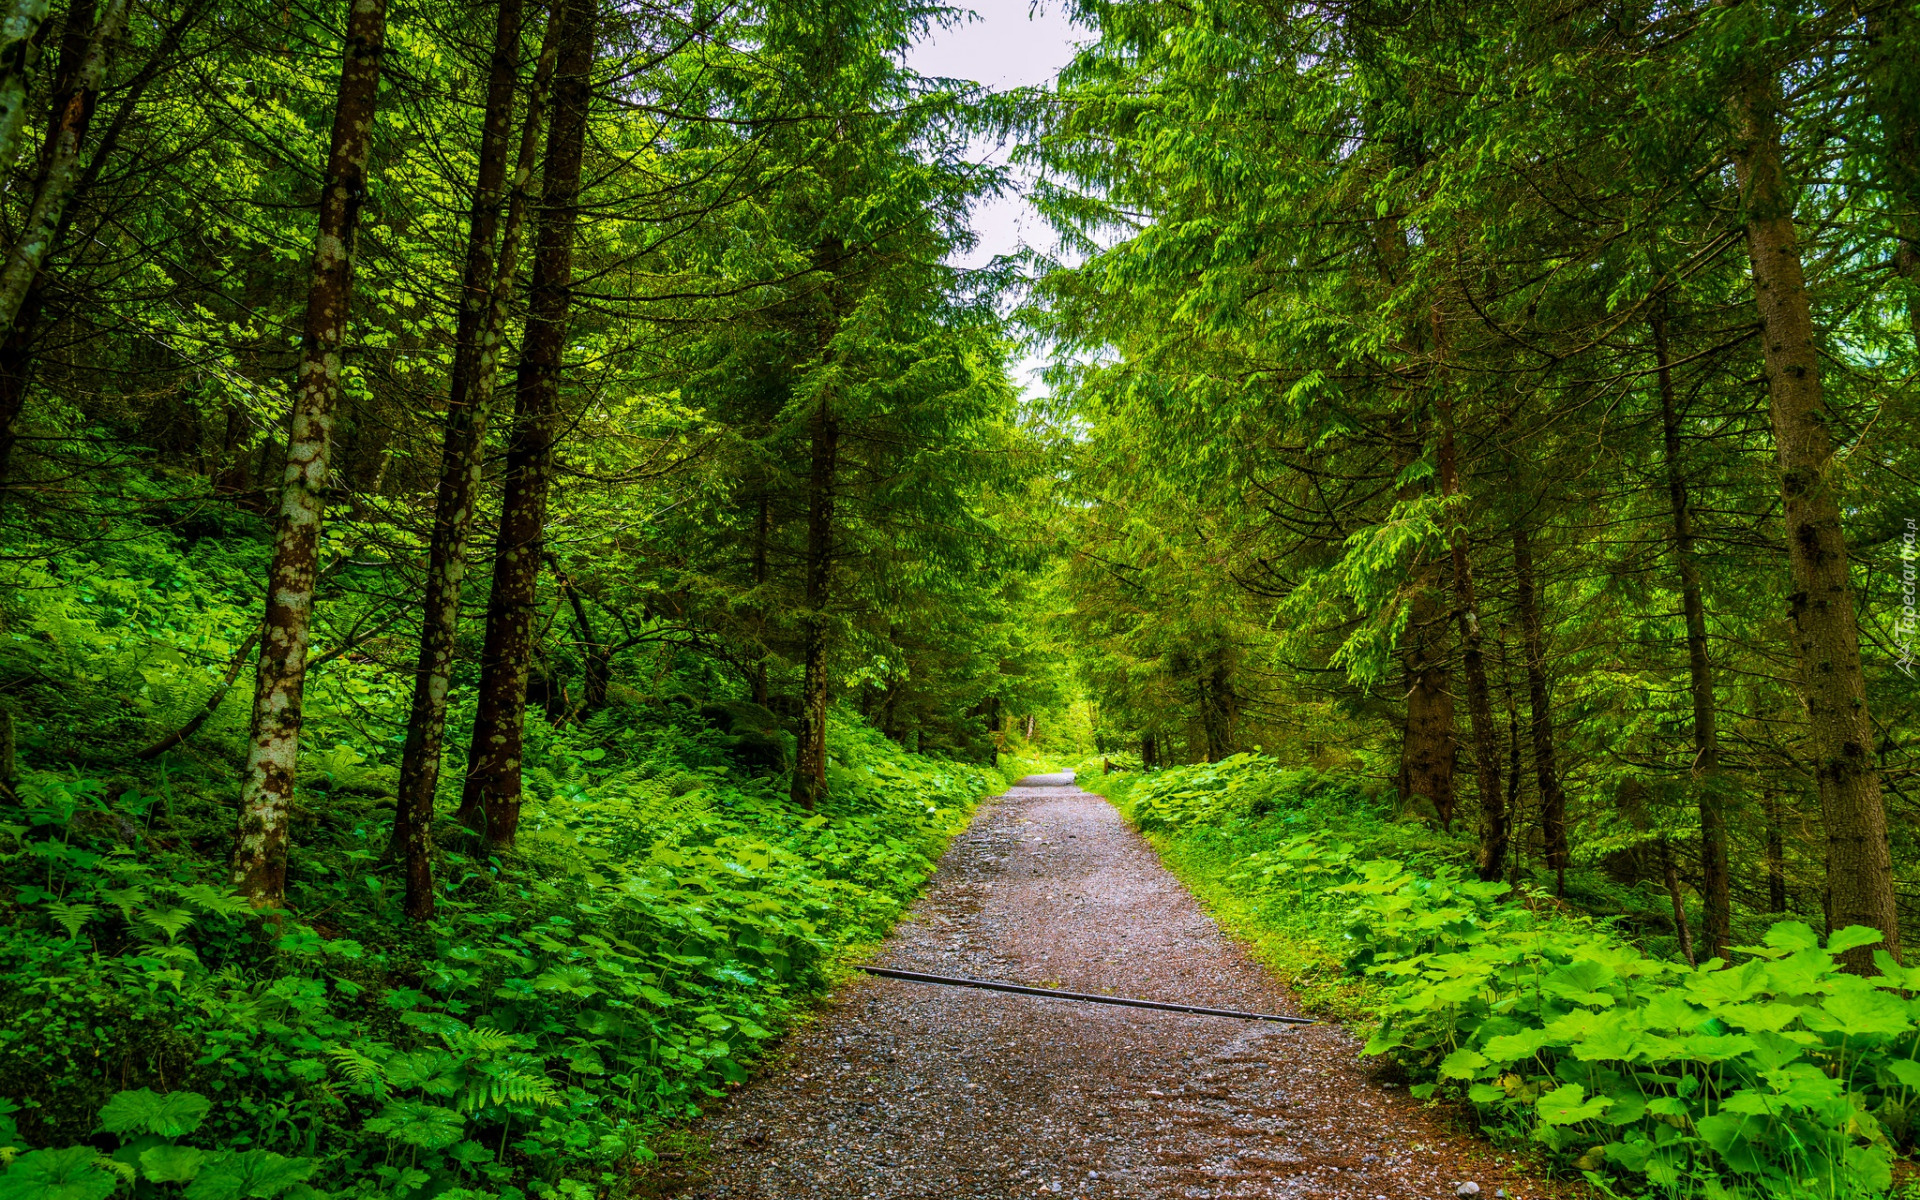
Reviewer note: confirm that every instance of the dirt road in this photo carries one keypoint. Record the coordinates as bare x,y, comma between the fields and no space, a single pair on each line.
909,1090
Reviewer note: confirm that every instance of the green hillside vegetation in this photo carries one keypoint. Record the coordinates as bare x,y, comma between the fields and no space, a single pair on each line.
522,536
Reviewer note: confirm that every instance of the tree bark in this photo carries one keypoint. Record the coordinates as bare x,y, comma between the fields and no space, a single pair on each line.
1715,895
69,103
1776,852
486,286
762,531
1825,626
260,857
810,768
1219,706
60,172
1893,44
1553,800
1515,853
20,35
490,800
1473,664
1428,749
596,655
1677,899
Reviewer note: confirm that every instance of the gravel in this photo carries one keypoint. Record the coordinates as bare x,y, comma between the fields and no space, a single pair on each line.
904,1090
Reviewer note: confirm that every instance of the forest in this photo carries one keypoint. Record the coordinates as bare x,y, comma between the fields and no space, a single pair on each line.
521,542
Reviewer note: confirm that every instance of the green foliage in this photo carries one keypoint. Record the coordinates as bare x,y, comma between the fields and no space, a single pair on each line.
149,1155
631,959
1776,1075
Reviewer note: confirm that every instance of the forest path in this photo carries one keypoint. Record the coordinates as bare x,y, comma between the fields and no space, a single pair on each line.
908,1090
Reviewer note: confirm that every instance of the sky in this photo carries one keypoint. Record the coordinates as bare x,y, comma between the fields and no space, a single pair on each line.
1008,44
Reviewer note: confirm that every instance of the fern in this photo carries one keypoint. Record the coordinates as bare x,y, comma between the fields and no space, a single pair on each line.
509,1087
223,902
126,899
72,917
480,1040
361,1071
170,921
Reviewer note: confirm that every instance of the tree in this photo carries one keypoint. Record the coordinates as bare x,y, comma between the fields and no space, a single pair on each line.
260,857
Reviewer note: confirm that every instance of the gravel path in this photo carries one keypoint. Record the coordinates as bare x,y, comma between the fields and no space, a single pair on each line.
905,1090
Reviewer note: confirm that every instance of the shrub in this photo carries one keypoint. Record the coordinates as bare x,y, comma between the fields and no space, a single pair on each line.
1775,1075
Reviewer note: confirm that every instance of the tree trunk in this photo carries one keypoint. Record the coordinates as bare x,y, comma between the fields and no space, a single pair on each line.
260,858
810,768
1776,856
1825,627
1677,899
1515,853
68,104
490,800
1218,707
596,655
1553,801
20,37
486,285
1149,752
1715,897
1893,46
1473,664
60,170
762,531
1428,749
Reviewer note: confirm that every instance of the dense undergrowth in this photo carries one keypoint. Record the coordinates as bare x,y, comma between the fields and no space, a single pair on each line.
665,911
661,922
1773,1075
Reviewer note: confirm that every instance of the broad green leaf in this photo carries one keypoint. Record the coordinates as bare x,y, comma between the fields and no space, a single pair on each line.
1852,938
248,1175
171,1164
1462,1064
75,1173
1906,1071
1791,936
1568,1105
173,1115
425,1125
1858,1010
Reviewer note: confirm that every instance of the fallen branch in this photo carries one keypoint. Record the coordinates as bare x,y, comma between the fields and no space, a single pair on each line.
198,719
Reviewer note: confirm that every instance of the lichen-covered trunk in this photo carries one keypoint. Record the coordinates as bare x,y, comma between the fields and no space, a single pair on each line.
1824,625
60,170
260,856
1716,926
490,799
486,286
1553,800
20,38
69,116
810,765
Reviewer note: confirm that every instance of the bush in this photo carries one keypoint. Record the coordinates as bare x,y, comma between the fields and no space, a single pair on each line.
629,959
1776,1075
